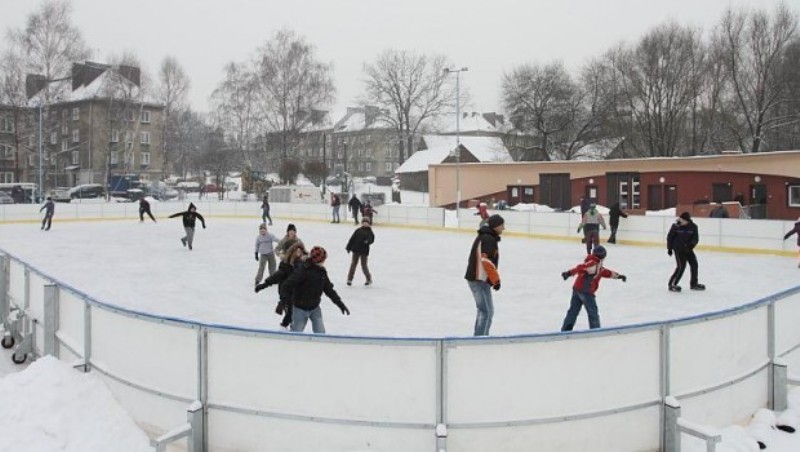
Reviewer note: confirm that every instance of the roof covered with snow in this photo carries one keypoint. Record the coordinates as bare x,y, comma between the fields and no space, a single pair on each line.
107,84
439,147
470,122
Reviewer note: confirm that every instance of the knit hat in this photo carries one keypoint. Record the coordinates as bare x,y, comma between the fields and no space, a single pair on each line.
599,251
495,221
262,227
318,255
291,227
686,216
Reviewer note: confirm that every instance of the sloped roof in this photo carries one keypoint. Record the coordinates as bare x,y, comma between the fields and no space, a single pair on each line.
356,119
439,147
97,89
471,121
596,150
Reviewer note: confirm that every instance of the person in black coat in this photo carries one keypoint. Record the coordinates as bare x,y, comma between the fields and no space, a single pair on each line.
189,217
683,236
358,245
307,284
144,208
355,207
613,216
482,275
292,260
795,230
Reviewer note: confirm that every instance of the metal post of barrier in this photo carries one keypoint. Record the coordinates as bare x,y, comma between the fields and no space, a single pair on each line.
194,414
780,385
202,386
87,336
771,354
50,320
671,432
664,381
441,438
4,277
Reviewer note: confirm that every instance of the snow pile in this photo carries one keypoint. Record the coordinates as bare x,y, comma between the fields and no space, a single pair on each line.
51,407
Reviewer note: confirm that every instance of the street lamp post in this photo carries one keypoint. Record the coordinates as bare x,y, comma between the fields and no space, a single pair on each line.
40,154
458,138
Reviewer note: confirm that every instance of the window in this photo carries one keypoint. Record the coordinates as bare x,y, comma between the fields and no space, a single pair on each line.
794,195
6,125
129,115
114,136
76,114
64,116
64,128
128,157
31,159
8,178
128,136
53,137
145,116
6,151
145,158
64,146
145,138
75,157
114,158
76,135
339,154
368,166
388,167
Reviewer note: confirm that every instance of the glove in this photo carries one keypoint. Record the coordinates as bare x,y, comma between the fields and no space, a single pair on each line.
623,278
579,228
204,226
496,287
279,308
565,275
669,252
344,309
260,287
256,256
348,250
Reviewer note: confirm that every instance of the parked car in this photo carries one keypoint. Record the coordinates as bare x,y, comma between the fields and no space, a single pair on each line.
60,194
87,191
5,198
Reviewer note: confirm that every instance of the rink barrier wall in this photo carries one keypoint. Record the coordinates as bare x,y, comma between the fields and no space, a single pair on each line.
460,394
720,234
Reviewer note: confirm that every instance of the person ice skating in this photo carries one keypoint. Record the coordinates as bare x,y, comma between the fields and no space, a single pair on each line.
265,218
683,236
336,203
355,207
49,208
307,284
483,212
144,208
189,217
482,271
358,246
367,211
587,280
613,220
265,254
590,223
287,241
292,260
796,230
585,205
719,211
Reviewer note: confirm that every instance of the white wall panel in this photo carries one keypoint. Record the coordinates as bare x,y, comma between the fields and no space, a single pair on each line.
787,331
16,283
734,404
70,319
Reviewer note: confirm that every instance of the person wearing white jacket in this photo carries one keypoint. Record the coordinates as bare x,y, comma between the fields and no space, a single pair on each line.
265,254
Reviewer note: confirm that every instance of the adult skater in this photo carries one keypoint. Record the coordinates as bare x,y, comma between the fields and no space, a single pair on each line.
49,208
588,275
613,220
796,230
719,211
307,284
144,208
355,207
265,218
482,274
265,254
189,217
336,202
683,236
292,260
358,245
287,241
367,211
482,211
590,223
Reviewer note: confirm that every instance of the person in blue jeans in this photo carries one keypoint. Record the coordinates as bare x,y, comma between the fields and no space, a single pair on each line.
482,275
588,275
265,218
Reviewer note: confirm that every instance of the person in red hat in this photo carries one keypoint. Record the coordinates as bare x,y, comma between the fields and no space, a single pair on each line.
683,236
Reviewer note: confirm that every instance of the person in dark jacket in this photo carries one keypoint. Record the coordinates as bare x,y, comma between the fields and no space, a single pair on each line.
307,284
265,210
144,208
796,230
292,260
355,207
719,211
587,281
49,208
482,274
367,211
683,236
613,221
336,202
358,245
189,217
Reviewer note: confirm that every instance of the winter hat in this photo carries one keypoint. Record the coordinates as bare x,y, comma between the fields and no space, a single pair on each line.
599,251
686,216
291,227
495,221
318,255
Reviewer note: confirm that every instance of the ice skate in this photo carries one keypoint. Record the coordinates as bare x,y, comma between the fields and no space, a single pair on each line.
698,287
674,288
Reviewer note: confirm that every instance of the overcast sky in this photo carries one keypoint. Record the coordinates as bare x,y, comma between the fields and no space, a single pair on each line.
489,38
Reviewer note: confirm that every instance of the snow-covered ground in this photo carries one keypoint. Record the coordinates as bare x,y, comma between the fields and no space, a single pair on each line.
418,290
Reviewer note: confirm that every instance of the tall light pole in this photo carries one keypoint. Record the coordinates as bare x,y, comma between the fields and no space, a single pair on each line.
39,191
458,138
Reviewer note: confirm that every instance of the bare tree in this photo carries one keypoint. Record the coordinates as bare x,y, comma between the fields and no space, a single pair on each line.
235,111
218,158
172,92
408,89
754,45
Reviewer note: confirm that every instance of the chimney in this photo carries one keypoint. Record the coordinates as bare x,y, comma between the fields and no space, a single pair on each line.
85,73
370,114
34,83
131,73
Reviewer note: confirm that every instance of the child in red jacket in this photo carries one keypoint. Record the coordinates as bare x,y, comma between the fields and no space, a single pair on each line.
586,283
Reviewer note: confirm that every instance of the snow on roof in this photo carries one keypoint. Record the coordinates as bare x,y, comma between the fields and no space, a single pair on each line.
439,147
471,121
356,119
99,88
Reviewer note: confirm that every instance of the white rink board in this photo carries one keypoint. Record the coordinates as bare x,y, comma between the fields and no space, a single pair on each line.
734,404
36,306
787,330
326,378
165,357
16,283
610,433
71,319
529,380
704,354
237,432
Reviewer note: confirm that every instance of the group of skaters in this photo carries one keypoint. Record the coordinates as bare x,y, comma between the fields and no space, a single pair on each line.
354,205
